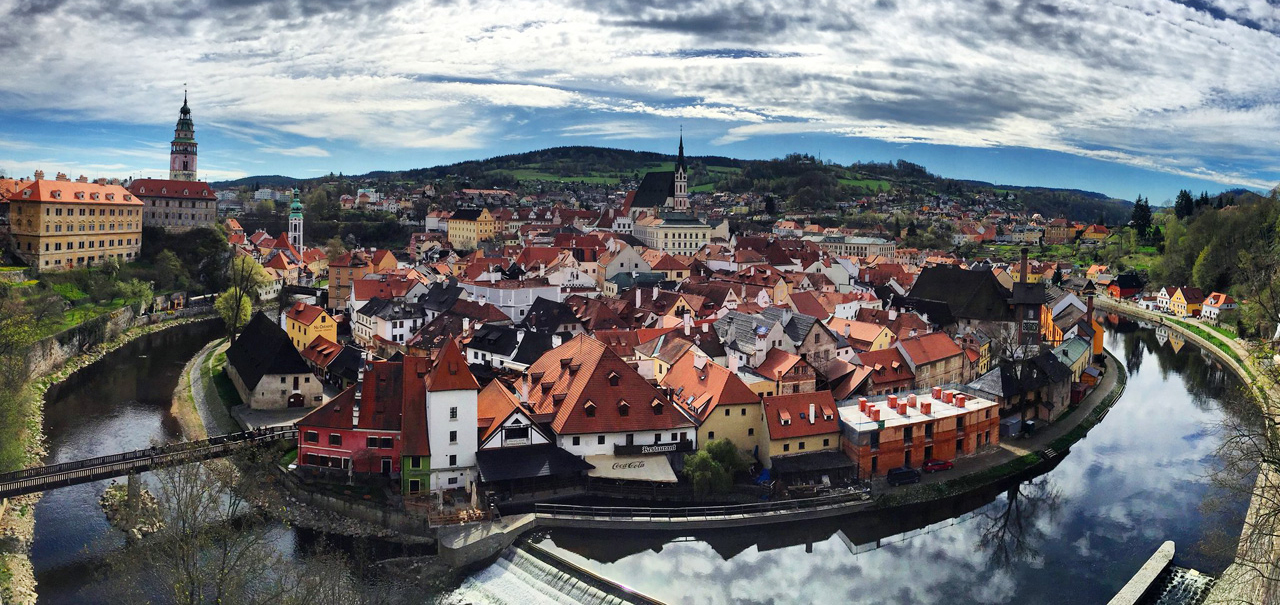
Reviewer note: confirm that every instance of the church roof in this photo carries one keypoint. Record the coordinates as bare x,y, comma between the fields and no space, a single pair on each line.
654,190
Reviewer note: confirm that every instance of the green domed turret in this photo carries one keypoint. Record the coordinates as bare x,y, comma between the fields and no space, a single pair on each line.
295,209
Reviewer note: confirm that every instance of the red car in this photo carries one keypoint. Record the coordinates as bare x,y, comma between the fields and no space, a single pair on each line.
935,465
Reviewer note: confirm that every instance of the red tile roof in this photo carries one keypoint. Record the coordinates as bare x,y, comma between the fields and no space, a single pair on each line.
807,303
794,411
930,348
321,351
304,313
777,363
70,192
575,376
703,384
451,372
494,404
1217,299
187,190
887,365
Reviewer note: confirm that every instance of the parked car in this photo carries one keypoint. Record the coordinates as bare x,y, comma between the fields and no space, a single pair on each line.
935,465
903,476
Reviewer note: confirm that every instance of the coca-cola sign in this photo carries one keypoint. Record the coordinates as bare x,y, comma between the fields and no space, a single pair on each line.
634,464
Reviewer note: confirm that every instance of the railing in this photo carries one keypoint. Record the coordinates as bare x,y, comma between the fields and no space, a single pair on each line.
702,512
116,465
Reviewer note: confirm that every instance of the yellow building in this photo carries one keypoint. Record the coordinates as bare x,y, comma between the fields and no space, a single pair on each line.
1186,302
673,234
801,423
470,226
303,323
723,405
351,266
862,335
61,224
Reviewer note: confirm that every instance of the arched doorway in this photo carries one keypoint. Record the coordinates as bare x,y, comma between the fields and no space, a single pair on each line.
296,400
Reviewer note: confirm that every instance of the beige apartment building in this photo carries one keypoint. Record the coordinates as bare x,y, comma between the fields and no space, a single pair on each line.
62,224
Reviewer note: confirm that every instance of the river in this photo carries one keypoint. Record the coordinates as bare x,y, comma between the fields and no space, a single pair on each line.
1075,534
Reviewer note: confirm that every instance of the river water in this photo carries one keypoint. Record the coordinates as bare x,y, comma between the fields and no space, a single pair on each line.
1075,534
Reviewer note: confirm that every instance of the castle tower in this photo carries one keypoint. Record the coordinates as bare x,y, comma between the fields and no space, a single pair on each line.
295,221
681,203
182,153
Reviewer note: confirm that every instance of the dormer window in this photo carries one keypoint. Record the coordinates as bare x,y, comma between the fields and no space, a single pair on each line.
26,193
589,409
186,192
614,379
624,408
657,407
164,190
546,387
564,363
558,398
57,194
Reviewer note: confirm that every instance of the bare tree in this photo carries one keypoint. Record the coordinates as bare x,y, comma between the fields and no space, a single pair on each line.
1014,532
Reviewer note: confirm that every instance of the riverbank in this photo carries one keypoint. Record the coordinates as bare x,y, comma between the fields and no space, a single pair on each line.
17,525
1243,581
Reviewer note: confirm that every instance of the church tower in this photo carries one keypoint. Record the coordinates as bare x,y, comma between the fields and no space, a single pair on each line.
182,154
295,221
681,203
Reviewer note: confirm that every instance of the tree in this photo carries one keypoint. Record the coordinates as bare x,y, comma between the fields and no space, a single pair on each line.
1184,205
334,248
168,269
711,469
135,292
247,276
1140,219
111,266
267,206
235,308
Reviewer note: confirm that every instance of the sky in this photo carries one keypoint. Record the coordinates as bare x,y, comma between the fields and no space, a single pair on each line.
1144,97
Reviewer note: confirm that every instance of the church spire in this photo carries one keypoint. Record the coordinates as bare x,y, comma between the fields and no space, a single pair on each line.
680,160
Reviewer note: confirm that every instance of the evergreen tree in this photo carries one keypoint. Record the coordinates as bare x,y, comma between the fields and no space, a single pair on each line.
1184,205
1141,217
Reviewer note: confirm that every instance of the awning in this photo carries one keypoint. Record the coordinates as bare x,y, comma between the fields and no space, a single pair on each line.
655,468
527,462
810,463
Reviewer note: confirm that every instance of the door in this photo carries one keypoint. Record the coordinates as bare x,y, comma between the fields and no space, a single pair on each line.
928,452
906,458
386,466
296,400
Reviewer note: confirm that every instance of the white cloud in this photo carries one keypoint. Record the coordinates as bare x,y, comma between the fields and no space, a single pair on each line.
305,151
1152,83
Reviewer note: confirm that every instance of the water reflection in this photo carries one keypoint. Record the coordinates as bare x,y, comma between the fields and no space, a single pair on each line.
1072,535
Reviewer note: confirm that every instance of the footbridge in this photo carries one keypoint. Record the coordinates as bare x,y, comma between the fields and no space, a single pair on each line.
44,478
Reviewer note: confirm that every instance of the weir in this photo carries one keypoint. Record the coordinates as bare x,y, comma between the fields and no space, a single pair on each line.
528,575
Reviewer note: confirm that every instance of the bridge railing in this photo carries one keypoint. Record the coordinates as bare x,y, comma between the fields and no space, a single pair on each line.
673,513
158,452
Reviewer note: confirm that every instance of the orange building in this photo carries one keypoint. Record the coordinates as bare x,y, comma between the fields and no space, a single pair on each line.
61,224
346,269
906,430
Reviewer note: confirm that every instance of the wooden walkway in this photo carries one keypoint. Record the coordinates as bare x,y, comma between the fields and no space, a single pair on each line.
699,517
43,478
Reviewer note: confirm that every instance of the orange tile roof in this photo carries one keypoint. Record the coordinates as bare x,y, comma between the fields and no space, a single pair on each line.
701,389
930,348
321,351
856,332
69,192
795,409
451,372
777,363
494,404
569,377
304,313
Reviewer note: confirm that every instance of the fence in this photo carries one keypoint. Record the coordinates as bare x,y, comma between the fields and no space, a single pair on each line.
702,513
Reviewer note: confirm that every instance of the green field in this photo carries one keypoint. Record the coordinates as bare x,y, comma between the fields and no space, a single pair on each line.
868,184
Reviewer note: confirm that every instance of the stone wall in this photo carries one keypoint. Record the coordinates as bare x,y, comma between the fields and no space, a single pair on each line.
48,354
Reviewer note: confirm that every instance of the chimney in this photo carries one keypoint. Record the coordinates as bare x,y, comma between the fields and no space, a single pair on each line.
893,401
960,397
637,297
846,330
926,408
811,410
1023,278
862,405
39,175
937,393
875,414
911,400
948,396
893,314
62,176
82,179
902,408
733,362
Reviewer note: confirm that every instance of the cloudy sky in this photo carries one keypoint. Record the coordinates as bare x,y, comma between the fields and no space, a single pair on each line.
1144,96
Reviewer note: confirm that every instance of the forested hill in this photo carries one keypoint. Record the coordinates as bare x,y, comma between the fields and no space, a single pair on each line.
802,181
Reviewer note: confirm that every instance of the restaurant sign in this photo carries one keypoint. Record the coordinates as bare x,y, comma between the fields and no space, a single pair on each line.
655,448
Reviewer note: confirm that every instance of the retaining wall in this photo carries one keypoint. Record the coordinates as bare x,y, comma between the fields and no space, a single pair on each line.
50,353
379,515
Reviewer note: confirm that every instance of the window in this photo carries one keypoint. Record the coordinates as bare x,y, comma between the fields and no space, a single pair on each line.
386,443
576,440
786,447
710,435
335,439
453,413
826,443
453,460
312,437
751,432
744,412
600,440
282,380
875,440
726,411
453,436
657,437
415,462
453,480
371,442
801,445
